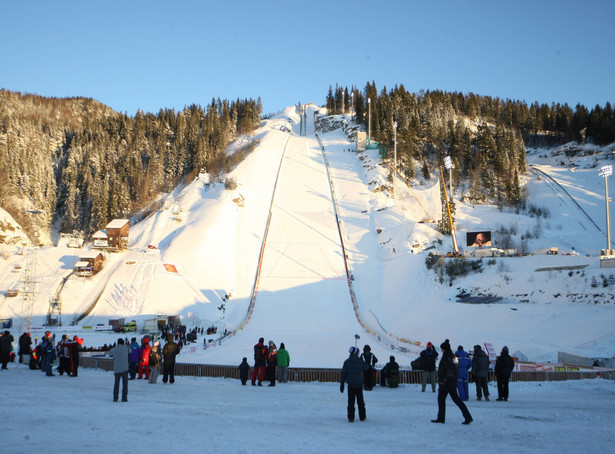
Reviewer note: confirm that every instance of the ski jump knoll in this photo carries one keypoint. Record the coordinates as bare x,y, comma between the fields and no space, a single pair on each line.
302,295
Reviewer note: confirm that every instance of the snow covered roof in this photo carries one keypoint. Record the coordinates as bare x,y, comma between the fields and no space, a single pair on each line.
100,234
81,264
89,255
117,223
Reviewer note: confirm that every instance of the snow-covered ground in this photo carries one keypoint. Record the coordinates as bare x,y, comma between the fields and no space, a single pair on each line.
302,297
65,414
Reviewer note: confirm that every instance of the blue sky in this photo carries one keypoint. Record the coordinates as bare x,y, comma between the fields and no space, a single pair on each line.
135,54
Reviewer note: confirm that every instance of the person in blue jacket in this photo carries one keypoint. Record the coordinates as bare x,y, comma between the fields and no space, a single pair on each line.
352,373
133,359
464,364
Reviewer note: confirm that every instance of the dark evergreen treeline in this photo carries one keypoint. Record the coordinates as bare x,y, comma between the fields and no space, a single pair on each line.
484,136
82,164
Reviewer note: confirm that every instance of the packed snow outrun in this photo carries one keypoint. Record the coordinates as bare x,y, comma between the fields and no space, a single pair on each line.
307,242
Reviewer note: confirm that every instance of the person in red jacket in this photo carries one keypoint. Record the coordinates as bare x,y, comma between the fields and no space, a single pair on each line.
260,361
144,363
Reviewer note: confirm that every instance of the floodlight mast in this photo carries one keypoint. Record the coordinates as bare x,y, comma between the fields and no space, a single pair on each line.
605,172
450,217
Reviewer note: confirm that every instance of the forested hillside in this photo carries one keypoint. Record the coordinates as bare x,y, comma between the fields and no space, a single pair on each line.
485,137
76,164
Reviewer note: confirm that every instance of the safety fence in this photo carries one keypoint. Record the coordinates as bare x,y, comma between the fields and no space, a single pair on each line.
298,374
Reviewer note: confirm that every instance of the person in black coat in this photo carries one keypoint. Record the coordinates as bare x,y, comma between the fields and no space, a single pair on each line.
480,372
6,341
352,373
447,379
244,371
390,373
428,359
25,347
169,352
371,360
504,365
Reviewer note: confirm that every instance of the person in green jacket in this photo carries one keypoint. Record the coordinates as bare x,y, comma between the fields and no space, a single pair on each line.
283,362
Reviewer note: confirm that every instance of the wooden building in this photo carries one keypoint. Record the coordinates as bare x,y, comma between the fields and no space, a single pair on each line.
117,233
100,240
90,262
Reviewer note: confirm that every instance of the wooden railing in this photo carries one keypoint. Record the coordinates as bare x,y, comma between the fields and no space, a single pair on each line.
297,374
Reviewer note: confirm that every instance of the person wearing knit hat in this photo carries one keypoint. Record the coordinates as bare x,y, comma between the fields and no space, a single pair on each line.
504,365
155,358
428,360
447,380
352,373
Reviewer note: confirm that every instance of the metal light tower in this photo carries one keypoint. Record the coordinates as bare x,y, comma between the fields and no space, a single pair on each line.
369,120
448,163
394,154
605,172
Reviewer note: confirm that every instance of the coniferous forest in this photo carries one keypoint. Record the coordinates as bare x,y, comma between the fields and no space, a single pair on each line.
77,164
74,163
485,137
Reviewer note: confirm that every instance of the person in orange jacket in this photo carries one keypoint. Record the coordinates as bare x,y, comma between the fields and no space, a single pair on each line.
144,363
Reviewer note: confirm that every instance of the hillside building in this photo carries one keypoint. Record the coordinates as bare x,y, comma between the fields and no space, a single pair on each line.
90,263
117,233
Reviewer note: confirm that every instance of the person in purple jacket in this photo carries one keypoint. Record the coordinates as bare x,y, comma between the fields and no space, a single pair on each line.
133,358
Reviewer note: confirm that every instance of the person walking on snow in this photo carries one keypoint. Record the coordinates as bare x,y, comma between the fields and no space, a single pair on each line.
447,379
464,363
352,373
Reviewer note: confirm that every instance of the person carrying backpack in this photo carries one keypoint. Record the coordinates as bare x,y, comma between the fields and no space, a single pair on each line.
428,364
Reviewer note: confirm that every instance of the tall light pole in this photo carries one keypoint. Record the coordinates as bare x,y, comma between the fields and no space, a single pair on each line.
369,120
394,154
448,163
605,172
351,101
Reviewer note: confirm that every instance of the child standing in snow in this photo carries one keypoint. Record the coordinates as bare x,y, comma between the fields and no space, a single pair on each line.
244,371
